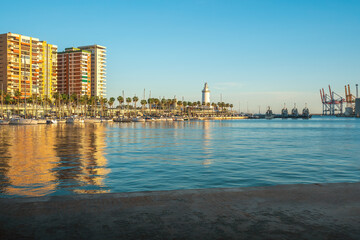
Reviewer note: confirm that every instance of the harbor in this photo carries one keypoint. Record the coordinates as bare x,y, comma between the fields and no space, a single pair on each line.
180,120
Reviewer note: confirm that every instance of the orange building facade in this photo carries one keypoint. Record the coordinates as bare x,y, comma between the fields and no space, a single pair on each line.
27,65
74,72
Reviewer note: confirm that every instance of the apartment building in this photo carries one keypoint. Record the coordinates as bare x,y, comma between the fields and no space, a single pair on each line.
74,72
98,69
27,65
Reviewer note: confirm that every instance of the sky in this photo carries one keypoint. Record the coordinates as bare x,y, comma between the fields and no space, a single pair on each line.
253,53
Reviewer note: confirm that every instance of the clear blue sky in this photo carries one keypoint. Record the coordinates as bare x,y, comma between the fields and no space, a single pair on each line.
258,53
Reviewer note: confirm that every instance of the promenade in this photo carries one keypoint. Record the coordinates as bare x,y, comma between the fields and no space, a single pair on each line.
314,211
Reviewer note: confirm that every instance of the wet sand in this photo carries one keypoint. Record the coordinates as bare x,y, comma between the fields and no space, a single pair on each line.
314,211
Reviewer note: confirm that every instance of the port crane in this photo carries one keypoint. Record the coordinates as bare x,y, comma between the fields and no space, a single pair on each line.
332,102
350,99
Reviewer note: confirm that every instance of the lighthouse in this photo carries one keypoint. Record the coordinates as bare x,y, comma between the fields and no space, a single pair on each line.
205,94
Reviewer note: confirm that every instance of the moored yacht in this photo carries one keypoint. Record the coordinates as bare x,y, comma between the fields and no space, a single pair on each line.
23,121
138,119
4,122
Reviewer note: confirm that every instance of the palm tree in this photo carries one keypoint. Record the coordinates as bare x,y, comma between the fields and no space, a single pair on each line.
95,105
8,100
82,102
111,102
150,102
57,102
128,101
157,103
64,100
231,107
162,103
180,103
135,99
120,100
185,103
103,102
213,105
17,95
91,101
169,102
143,103
73,102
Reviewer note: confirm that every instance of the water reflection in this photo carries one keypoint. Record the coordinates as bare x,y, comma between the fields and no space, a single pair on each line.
4,159
52,159
207,137
70,159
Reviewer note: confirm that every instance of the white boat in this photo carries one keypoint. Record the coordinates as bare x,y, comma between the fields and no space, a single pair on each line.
138,119
51,121
169,119
74,119
4,122
92,120
178,119
122,119
42,121
23,121
149,119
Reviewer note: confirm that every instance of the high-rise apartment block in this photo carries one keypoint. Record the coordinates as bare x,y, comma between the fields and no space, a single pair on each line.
34,67
27,65
74,72
98,69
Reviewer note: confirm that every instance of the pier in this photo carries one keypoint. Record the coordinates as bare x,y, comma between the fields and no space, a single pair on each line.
314,211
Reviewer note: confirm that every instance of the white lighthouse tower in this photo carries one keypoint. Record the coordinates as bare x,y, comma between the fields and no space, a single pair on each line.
205,94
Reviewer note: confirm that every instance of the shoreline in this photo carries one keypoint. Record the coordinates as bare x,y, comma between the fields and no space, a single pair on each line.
299,211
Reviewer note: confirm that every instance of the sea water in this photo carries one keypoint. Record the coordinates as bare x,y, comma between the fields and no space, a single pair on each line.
65,159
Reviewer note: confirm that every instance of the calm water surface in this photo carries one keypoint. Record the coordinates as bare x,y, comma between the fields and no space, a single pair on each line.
124,157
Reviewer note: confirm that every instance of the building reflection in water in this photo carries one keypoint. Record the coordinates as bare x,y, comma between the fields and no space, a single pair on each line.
31,161
207,143
5,157
52,159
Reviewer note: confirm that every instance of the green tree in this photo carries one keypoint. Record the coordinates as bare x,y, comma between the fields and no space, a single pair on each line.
135,99
143,103
111,102
180,103
17,95
64,101
73,102
103,102
128,101
56,96
150,102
